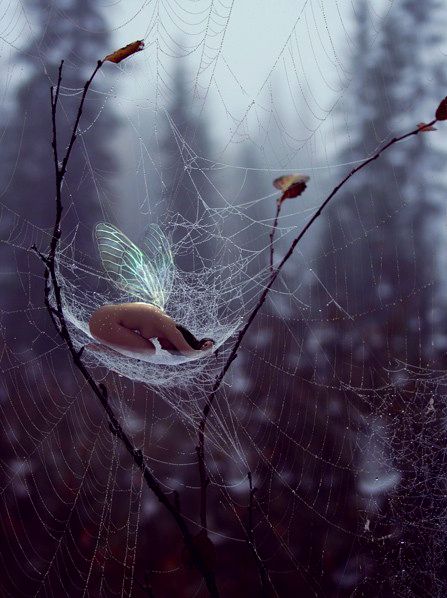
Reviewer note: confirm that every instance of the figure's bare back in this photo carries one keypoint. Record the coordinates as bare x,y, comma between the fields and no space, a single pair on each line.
149,320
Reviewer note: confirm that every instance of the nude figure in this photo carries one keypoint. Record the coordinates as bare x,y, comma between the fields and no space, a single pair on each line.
128,327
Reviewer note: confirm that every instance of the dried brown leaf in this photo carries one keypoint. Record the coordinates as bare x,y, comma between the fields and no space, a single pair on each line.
441,112
125,52
292,185
424,128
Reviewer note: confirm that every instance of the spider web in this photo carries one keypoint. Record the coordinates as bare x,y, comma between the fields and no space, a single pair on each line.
345,447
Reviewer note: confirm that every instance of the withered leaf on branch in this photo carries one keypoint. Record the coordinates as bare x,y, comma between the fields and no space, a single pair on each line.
125,52
424,128
441,112
291,185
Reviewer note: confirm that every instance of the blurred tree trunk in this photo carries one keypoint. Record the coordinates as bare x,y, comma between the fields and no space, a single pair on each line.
379,299
77,33
50,450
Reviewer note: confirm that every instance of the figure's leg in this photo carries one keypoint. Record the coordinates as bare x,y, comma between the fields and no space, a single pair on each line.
111,333
127,342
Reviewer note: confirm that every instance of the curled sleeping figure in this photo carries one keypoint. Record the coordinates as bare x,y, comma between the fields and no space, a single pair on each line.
128,327
145,274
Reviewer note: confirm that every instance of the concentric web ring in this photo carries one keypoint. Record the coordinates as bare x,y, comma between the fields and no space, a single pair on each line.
335,404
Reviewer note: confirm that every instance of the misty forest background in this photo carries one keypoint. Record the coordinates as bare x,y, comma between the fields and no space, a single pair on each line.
369,515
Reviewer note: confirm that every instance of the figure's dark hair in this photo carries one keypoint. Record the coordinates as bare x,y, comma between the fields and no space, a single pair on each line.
194,342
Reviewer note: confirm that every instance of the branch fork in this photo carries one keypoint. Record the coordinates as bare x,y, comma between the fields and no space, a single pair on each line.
441,114
58,318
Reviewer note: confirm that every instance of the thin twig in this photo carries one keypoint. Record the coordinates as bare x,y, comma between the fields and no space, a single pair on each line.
54,100
58,319
251,493
204,483
63,168
262,298
266,583
204,479
272,232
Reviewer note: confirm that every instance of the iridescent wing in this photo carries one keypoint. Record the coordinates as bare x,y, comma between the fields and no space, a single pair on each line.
147,275
158,250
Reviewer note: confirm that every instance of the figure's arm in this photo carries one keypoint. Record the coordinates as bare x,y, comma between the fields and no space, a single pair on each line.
167,345
171,337
154,323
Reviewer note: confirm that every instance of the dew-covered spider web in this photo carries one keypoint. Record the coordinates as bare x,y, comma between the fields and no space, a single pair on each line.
335,404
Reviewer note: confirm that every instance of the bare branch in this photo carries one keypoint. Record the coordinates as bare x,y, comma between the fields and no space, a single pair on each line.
251,493
272,232
266,584
204,482
100,390
263,296
41,255
54,100
78,118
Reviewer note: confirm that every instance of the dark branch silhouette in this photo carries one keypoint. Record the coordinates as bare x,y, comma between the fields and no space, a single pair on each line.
57,316
266,584
204,483
272,233
58,319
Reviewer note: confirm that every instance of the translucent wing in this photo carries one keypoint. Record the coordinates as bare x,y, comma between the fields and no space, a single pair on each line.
158,250
144,274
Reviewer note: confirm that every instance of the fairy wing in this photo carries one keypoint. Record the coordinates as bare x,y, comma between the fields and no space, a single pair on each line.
158,251
144,274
